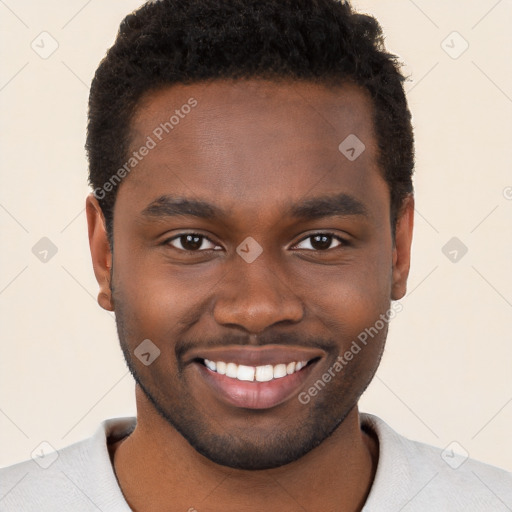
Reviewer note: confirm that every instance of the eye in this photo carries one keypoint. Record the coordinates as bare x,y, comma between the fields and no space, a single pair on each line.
191,242
321,242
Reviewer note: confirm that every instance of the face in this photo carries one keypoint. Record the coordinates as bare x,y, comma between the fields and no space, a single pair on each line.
253,253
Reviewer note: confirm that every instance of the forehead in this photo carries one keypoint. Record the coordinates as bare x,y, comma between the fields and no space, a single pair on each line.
283,108
245,140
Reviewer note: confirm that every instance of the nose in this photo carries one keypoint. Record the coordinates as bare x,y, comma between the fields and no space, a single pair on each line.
255,296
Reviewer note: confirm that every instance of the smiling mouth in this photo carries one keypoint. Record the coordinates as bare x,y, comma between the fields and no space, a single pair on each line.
264,373
251,377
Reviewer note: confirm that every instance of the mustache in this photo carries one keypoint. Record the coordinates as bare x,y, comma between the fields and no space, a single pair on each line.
184,345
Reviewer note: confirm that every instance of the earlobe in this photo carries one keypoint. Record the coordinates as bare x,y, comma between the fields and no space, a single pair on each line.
402,249
100,251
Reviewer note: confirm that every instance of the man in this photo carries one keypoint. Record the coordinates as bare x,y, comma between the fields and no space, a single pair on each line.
251,220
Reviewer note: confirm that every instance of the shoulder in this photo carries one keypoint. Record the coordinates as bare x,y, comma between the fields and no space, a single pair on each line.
78,477
416,476
44,481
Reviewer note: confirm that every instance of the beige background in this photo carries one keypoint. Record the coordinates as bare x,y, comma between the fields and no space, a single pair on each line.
446,372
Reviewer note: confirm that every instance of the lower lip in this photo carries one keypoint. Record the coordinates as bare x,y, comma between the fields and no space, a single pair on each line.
254,395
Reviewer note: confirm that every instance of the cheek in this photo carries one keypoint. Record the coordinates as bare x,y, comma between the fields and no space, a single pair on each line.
350,298
161,300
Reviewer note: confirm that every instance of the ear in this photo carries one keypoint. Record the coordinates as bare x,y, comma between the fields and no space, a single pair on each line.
402,248
100,251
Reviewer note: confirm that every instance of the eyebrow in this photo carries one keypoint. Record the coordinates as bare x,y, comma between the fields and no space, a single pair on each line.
341,205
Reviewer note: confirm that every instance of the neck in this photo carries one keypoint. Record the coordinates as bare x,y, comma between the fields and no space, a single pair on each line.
157,469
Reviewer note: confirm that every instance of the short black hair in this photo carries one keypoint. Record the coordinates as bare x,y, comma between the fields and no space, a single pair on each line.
168,42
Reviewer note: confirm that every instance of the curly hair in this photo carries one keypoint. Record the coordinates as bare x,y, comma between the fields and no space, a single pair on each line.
168,42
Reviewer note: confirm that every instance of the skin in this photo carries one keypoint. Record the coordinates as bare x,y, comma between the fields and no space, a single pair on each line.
252,148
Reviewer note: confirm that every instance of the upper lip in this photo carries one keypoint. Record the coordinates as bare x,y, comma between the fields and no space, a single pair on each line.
255,356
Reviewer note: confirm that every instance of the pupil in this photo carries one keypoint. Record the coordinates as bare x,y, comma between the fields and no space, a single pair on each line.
192,242
321,241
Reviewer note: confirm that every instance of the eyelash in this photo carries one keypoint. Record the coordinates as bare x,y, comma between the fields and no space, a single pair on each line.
343,241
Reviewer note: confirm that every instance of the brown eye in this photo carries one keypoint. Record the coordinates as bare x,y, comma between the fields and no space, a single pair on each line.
321,242
190,242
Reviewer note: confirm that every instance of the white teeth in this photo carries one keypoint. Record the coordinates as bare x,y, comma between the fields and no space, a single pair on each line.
245,372
221,367
279,371
231,370
210,364
263,373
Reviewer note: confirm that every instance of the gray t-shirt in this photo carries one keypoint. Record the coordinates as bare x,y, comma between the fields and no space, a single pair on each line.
410,477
